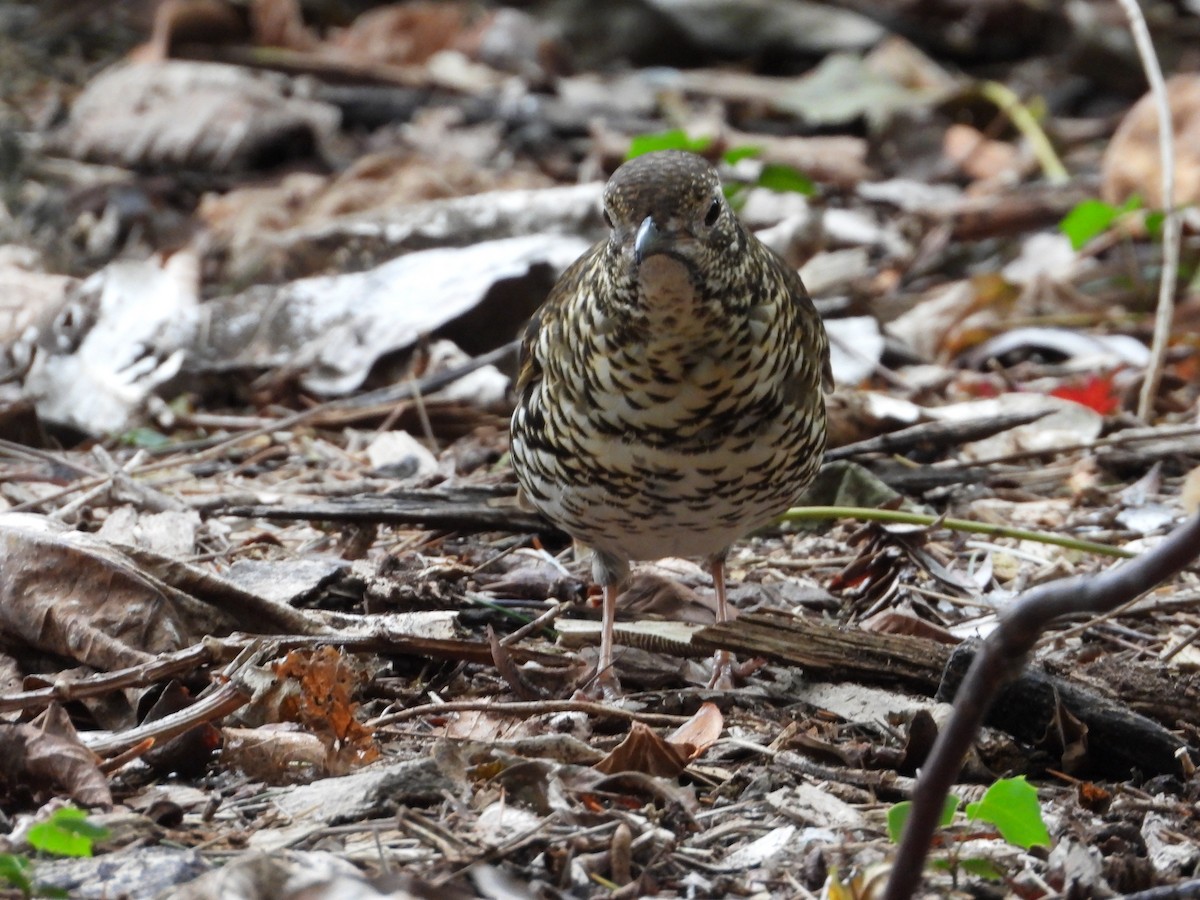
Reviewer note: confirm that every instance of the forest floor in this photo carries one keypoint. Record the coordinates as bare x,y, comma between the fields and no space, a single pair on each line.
270,612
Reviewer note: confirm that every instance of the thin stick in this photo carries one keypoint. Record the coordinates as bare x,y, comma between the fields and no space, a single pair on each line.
1165,313
866,514
544,619
1025,122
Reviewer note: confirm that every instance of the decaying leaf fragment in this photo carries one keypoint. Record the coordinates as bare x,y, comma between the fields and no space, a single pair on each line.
316,689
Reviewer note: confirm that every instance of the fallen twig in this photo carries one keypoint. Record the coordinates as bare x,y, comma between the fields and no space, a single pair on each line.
1172,227
1026,123
935,433
526,709
903,517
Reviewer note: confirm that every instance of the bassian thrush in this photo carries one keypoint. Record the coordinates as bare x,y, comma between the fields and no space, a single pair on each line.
670,387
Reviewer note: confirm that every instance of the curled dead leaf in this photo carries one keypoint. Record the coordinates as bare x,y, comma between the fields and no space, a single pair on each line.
646,752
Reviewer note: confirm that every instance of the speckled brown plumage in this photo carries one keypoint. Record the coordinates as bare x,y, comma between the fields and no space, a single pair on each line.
669,396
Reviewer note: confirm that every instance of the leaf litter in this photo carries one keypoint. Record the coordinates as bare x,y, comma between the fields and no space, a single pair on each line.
262,553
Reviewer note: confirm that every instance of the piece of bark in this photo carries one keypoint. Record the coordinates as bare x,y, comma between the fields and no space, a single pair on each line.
1164,693
1119,740
831,650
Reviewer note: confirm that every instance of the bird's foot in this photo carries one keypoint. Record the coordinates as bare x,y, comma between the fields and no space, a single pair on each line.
604,686
726,670
745,669
722,673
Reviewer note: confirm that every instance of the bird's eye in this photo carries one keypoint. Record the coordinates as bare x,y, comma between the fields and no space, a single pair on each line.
607,218
714,213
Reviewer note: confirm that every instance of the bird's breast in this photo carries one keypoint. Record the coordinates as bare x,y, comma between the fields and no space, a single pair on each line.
668,297
692,393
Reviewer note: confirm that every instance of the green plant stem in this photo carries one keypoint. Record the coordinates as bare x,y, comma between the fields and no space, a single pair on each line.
897,516
1023,120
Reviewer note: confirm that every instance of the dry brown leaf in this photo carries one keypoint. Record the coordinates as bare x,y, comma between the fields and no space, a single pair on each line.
181,114
977,155
480,725
699,732
402,35
646,752
274,754
44,759
1132,164
893,622
957,316
280,23
651,593
68,594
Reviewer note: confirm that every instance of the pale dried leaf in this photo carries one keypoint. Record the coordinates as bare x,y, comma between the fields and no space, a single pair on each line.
193,115
700,731
1132,161
855,348
113,345
333,328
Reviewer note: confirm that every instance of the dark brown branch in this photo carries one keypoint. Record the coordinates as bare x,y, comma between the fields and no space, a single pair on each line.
936,434
1000,657
453,515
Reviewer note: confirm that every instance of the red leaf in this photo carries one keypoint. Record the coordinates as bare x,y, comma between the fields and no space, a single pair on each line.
1096,392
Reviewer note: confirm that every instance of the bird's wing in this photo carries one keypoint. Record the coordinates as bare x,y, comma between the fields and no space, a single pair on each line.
530,365
808,320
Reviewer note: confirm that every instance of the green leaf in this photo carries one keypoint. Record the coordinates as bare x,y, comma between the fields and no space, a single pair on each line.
1154,224
735,155
666,140
974,865
735,193
145,437
982,868
1086,220
785,178
68,832
1093,217
1011,805
17,871
897,816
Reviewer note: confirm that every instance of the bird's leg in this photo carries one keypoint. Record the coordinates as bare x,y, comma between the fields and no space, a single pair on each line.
610,573
722,676
606,675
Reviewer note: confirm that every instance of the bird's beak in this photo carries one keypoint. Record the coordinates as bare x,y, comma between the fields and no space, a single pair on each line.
648,240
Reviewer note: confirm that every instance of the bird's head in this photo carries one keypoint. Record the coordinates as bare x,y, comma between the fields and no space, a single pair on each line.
669,203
